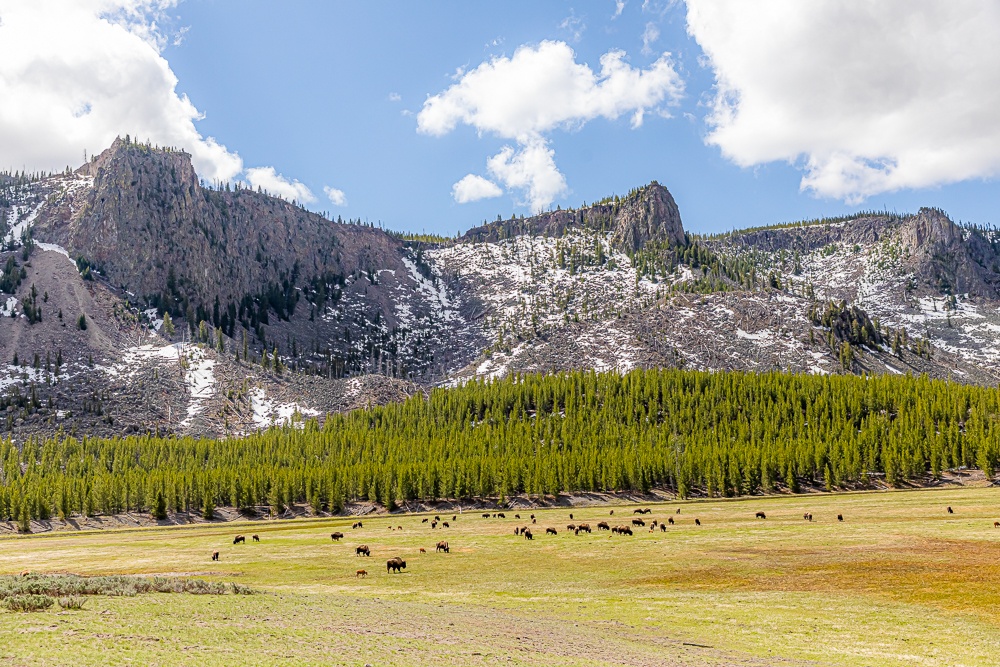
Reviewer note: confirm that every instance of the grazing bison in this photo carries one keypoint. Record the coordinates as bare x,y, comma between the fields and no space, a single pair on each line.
678,511
443,546
624,530
807,516
697,522
434,524
215,555
363,549
551,531
437,518
761,515
532,516
454,517
585,527
663,527
486,515
571,527
336,536
424,521
399,528
638,522
950,510
611,513
637,511
532,519
240,539
445,524
840,517
422,550
654,523
360,573
571,516
603,526
357,524
502,515
670,520
395,565
256,538
527,534
517,516
996,524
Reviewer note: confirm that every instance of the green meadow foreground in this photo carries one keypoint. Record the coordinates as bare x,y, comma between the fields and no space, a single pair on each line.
899,582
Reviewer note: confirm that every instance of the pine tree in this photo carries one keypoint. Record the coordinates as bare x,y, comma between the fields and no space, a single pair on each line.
168,326
160,507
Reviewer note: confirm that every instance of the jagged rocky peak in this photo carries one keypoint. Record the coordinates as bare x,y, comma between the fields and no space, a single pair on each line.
646,214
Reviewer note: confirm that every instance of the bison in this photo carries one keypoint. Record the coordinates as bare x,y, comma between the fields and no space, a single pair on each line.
360,573
670,520
434,524
527,534
532,516
215,555
584,527
678,511
363,549
950,510
437,518
571,516
336,536
611,513
502,515
807,516
840,517
697,522
443,546
638,522
256,538
422,550
760,515
240,539
357,524
454,517
517,516
624,530
395,565
445,524
603,526
425,521
663,527
571,527
637,511
996,524
551,531
486,515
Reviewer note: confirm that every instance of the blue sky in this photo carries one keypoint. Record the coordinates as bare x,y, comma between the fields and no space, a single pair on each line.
328,94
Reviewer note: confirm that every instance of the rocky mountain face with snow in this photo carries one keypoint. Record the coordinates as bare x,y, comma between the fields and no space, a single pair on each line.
95,259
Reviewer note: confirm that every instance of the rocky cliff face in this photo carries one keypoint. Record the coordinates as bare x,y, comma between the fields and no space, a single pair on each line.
648,214
147,214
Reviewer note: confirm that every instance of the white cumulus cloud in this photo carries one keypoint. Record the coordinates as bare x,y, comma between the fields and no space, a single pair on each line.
337,197
474,188
276,184
537,90
74,74
866,97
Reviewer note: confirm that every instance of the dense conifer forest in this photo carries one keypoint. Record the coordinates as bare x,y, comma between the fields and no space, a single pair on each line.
718,434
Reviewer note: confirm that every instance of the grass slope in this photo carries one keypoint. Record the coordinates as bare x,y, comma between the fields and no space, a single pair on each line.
899,582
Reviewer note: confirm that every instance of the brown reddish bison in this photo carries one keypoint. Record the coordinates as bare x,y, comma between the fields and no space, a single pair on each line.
996,524
611,513
360,573
603,526
336,536
624,530
363,549
422,550
551,531
396,564
585,527
240,539
502,515
256,538
443,546
215,555
527,534
760,515
678,511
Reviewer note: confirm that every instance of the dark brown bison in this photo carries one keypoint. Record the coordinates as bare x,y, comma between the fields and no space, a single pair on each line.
697,522
571,516
585,527
571,526
443,546
551,531
434,524
532,516
437,518
638,522
624,530
678,511
670,520
395,565
486,515
240,539
611,513
360,573
517,516
215,555
445,524
760,515
950,510
501,515
363,549
603,526
517,531
840,517
807,516
454,517
663,527
336,536
527,534
256,538
637,511
425,521
357,524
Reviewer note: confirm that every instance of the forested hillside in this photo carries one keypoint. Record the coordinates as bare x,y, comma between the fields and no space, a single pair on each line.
717,434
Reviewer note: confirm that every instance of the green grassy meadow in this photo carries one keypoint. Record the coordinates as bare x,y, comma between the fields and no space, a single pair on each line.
899,582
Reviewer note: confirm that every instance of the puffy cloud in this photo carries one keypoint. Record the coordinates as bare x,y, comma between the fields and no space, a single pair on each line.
533,168
649,35
276,184
337,197
474,188
74,74
864,97
619,8
540,89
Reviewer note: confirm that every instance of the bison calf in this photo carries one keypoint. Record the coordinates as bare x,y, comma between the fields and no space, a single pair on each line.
360,573
422,550
424,521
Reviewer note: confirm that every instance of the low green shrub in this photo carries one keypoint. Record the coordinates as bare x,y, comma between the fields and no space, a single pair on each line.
28,602
73,602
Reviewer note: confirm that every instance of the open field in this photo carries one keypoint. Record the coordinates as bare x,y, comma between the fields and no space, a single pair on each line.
899,582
